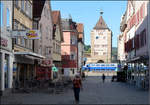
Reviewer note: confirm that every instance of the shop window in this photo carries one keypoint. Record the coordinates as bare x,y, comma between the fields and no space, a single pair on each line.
1,6
8,17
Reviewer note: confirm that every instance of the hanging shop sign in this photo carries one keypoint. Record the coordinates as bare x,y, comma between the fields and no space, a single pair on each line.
28,34
32,34
54,69
6,43
45,63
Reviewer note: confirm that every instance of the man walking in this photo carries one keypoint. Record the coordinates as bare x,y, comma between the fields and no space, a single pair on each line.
103,77
77,84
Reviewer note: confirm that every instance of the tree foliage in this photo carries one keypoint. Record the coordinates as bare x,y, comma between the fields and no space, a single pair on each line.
87,48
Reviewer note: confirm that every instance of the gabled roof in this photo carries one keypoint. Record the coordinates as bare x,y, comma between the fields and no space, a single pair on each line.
80,30
55,16
38,7
80,27
101,24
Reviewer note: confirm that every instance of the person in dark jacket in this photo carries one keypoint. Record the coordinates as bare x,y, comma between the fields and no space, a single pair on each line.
103,77
77,84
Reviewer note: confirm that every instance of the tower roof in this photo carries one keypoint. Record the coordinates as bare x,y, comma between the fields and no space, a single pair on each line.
101,24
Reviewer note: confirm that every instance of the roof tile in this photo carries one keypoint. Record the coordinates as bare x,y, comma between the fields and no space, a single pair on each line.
101,24
55,16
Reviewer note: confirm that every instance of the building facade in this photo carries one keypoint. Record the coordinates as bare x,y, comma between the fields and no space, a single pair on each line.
121,50
149,37
80,29
6,54
57,40
24,56
44,46
101,42
69,48
136,43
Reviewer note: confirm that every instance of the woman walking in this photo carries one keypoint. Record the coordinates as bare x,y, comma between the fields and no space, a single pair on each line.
77,84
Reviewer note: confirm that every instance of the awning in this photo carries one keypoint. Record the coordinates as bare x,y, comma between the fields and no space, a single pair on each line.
31,54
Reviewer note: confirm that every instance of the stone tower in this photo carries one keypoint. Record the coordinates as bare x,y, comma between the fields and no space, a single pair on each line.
101,42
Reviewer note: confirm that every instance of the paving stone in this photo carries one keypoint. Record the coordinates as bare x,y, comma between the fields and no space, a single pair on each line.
94,92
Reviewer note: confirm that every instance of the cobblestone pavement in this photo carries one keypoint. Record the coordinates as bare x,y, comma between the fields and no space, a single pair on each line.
94,92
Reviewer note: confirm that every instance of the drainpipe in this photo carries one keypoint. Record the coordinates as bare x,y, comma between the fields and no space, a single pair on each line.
148,17
13,23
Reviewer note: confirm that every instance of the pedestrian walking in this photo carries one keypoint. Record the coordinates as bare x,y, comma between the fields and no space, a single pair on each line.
103,77
83,75
77,84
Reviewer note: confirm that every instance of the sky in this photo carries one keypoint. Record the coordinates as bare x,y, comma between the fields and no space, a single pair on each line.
88,13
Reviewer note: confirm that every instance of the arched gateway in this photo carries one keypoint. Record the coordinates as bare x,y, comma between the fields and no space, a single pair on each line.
100,61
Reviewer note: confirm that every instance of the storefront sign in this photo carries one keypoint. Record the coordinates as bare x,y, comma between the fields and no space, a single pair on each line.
32,34
46,63
28,34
